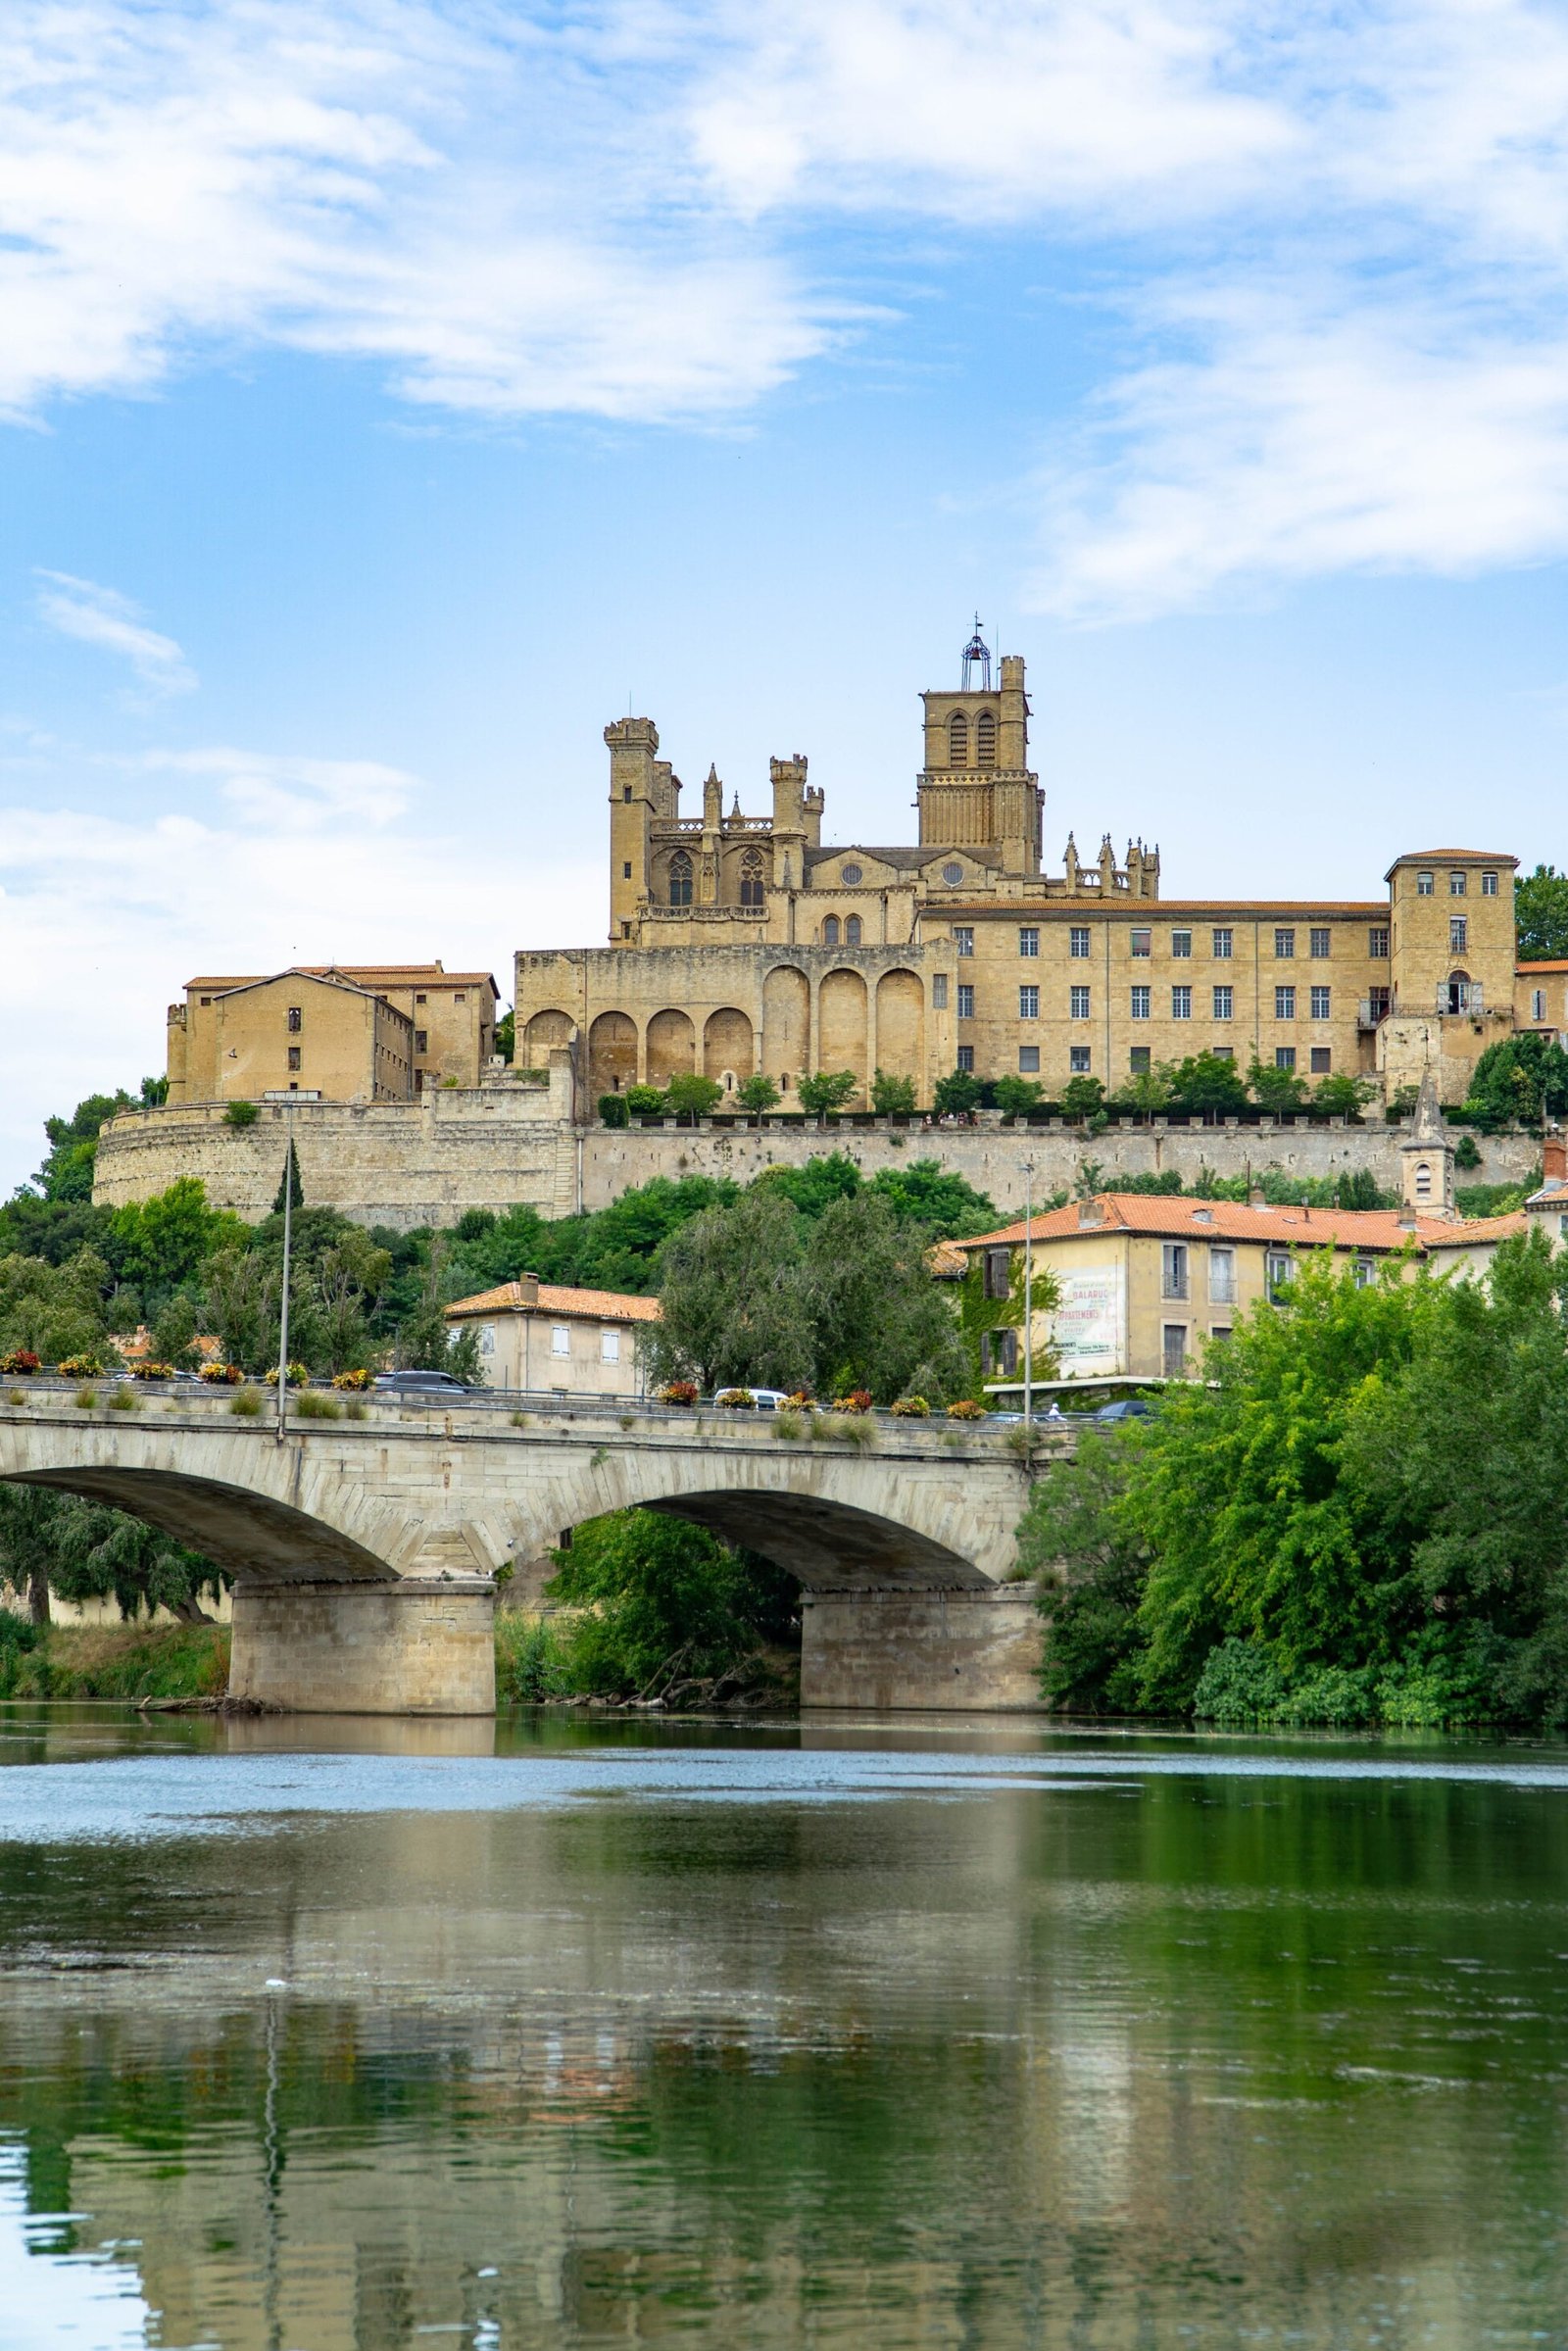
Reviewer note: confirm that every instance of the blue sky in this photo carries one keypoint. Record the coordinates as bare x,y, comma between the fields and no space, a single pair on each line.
391,392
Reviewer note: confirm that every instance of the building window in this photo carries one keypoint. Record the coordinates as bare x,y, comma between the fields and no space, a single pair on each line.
1028,1003
999,1351
1222,1276
1322,998
1320,945
626,792
830,931
1173,1349
952,875
625,871
1423,1180
1377,1006
560,1339
1173,1269
966,1057
421,999
999,1273
1219,1331
963,940
296,1019
609,1347
850,876
680,879
1456,884
1138,1059
1322,1060
1285,1056
1223,947
1078,943
421,1040
1029,940
965,999
1423,885
1285,1003
1141,996
460,998
939,993
985,739
1029,1060
852,931
1078,998
1223,1052
751,879
1143,943
1181,943
1078,1060
1280,1271
1365,1273
1224,1003
958,739
1489,885
1285,944
294,1061
1458,928
1537,1004
1377,941
1181,1004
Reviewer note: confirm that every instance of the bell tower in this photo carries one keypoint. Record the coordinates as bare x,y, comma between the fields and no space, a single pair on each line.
633,790
975,789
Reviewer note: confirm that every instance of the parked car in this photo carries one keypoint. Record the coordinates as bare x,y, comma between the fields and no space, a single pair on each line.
419,1383
1129,1407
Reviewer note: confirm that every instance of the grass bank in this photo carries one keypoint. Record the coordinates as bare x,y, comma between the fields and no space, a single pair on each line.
114,1661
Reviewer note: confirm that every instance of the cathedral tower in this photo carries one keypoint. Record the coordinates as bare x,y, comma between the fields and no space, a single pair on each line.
975,788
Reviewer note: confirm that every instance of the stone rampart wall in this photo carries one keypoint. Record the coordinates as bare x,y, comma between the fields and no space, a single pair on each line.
425,1163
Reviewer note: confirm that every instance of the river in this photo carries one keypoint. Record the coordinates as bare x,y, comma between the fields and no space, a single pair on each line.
345,2035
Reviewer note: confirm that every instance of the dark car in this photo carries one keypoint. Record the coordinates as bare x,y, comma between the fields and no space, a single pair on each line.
1130,1407
419,1383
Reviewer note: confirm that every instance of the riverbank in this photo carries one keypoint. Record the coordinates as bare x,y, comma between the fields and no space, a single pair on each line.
116,1661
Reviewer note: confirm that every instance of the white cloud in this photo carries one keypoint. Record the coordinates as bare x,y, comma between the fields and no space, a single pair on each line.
288,859
78,607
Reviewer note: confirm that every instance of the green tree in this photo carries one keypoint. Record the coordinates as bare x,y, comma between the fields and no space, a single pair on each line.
926,1192
165,1241
30,1543
1540,915
1275,1089
1089,1568
878,1321
106,1554
612,1110
829,1090
957,1095
1083,1098
661,1602
826,1177
241,1294
289,1187
1017,1097
1342,1095
67,1173
733,1304
506,1037
893,1097
690,1096
758,1093
1518,1081
55,1311
1145,1091
1208,1082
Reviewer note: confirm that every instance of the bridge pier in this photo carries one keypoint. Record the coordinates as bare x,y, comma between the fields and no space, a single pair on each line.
389,1645
967,1650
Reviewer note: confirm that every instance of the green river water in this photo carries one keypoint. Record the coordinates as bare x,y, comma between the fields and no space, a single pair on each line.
330,2036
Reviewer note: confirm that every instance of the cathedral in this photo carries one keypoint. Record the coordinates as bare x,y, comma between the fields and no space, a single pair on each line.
745,943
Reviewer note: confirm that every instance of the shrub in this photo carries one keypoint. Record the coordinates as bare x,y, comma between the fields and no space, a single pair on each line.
612,1110
124,1399
19,1364
80,1367
789,1426
221,1375
313,1405
1467,1151
529,1665
298,1374
152,1371
1240,1684
355,1410
859,1400
801,1400
88,1398
246,1403
645,1101
912,1408
354,1381
893,1095
736,1399
1017,1097
241,1115
676,1392
967,1409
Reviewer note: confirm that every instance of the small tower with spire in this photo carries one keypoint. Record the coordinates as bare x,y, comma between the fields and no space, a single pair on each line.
1426,1157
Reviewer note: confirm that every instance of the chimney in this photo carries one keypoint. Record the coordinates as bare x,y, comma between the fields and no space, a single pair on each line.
1555,1158
1089,1212
1254,1197
527,1288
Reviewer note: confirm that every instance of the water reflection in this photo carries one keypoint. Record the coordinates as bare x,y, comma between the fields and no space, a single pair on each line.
1133,2059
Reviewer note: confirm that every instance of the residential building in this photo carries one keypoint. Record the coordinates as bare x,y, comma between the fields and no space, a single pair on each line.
537,1334
222,1047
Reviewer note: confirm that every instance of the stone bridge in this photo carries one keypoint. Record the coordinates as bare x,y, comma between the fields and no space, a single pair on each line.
366,1549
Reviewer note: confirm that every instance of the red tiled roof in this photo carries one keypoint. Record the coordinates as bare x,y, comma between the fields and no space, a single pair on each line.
1173,1218
422,974
593,1305
1555,963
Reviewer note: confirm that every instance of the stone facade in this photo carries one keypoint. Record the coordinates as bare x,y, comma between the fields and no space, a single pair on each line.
308,1030
743,944
548,1337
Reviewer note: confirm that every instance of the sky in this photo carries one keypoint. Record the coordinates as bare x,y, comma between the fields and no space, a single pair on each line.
392,392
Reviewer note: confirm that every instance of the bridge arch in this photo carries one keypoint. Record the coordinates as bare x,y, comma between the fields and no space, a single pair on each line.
245,1532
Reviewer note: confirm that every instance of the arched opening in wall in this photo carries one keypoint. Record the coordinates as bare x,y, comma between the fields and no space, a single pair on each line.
727,1044
786,1024
672,1047
841,1010
901,1027
543,1031
244,1532
830,931
751,879
958,739
612,1055
680,879
985,739
1459,985
1423,1182
852,931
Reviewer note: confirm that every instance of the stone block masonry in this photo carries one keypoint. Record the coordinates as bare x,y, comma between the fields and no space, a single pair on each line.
423,1164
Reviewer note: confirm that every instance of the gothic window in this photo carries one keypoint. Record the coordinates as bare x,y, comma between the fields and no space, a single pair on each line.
852,931
985,739
751,879
680,879
830,931
958,739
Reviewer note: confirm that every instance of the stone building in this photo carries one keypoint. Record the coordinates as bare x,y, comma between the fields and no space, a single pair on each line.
744,942
310,1030
537,1335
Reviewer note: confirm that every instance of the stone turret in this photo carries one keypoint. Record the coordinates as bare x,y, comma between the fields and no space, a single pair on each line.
634,796
1426,1157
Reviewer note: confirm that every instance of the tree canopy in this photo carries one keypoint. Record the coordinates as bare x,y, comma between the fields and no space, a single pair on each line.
1541,915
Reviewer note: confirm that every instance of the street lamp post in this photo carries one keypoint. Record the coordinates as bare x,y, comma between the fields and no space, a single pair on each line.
288,1250
1028,1295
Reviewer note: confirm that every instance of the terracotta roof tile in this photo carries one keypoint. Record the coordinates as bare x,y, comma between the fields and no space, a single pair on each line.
1177,1219
592,1305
